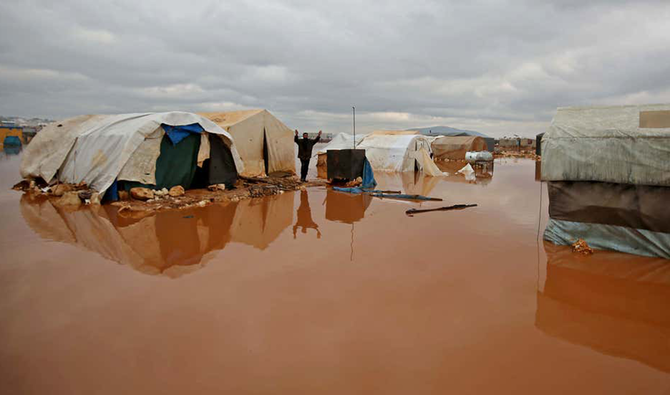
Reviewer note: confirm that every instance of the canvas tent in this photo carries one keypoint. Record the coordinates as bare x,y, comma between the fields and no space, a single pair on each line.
399,151
151,149
609,178
264,143
454,148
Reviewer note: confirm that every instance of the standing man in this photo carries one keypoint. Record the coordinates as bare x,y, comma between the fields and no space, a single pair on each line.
305,152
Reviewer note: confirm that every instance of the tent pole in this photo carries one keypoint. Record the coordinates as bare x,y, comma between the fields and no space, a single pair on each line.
354,110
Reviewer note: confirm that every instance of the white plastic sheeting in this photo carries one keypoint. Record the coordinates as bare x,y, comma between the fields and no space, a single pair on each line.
624,144
95,148
253,130
398,152
342,141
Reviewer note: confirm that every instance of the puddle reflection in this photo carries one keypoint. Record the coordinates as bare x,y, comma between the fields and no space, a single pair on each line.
346,207
611,302
304,217
483,173
172,243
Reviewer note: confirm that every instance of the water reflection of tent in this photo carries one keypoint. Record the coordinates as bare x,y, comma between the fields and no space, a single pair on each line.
169,242
346,207
609,302
411,183
259,222
484,176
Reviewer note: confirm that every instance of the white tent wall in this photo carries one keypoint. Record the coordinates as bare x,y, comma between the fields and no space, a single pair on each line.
343,141
250,129
398,152
340,141
94,149
622,144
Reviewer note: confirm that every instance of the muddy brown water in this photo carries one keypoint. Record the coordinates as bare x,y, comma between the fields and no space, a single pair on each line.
322,292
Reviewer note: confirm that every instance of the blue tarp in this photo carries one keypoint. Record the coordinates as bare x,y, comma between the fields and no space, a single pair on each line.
178,133
12,141
369,181
112,193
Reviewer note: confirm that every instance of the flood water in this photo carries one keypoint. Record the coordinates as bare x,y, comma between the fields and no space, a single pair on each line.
322,292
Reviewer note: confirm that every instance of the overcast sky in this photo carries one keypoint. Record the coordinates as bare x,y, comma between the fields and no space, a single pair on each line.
499,67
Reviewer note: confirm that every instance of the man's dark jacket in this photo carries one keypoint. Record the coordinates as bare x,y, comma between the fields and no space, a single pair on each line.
305,147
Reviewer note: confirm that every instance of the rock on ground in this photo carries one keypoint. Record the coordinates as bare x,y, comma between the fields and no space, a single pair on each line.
141,193
176,191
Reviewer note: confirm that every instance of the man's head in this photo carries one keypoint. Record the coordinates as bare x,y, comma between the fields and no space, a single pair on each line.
305,135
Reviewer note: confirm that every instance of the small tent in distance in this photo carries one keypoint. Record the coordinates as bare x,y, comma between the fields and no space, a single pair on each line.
264,143
454,148
435,131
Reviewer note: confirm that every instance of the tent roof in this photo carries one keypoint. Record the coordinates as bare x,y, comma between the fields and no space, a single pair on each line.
342,141
611,121
456,140
395,132
230,118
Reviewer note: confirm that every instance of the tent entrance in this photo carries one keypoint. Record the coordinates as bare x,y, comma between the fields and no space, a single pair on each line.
219,168
176,164
266,156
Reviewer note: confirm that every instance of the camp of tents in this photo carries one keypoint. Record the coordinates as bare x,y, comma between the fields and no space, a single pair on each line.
110,153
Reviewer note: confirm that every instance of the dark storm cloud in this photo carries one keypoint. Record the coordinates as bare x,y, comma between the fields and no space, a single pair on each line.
496,66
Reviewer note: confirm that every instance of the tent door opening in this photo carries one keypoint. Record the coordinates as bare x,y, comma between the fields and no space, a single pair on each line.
266,156
219,168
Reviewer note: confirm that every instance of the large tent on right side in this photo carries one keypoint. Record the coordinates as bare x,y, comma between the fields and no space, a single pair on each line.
608,173
454,148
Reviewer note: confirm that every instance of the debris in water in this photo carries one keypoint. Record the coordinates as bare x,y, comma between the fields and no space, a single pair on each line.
468,172
581,247
413,211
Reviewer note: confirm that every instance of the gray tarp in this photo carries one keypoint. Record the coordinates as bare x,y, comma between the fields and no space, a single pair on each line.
609,237
624,144
95,148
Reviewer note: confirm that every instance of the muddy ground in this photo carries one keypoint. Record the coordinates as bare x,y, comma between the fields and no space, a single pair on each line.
320,292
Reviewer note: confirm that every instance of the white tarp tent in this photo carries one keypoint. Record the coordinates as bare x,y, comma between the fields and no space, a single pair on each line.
96,149
622,144
340,141
399,151
257,132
